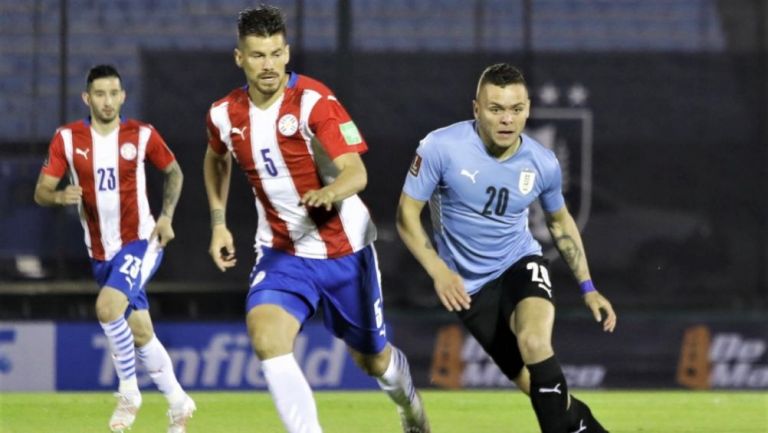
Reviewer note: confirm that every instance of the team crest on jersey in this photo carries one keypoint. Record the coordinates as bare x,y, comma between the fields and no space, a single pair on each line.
288,125
128,151
526,181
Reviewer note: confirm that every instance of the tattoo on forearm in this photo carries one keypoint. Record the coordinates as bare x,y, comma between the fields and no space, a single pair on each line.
217,217
171,191
570,251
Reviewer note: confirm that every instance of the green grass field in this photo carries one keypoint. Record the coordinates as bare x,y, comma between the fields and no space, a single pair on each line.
371,412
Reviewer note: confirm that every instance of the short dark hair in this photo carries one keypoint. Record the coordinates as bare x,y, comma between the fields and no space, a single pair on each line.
262,21
500,74
101,71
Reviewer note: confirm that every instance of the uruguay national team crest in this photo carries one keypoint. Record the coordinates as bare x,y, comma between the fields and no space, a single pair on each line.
526,181
128,151
288,125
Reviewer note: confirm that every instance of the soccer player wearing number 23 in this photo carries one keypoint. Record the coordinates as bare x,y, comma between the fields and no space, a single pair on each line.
480,177
105,156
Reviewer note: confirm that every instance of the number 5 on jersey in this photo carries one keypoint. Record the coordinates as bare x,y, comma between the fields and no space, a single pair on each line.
269,163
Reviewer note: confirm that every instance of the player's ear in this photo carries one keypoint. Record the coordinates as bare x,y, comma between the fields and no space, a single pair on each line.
475,108
86,99
238,57
287,53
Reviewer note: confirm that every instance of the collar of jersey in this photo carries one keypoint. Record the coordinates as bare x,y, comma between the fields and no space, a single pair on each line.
87,120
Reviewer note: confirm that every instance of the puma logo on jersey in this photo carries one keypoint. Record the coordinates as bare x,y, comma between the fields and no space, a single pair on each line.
471,176
82,152
239,131
555,390
546,289
582,427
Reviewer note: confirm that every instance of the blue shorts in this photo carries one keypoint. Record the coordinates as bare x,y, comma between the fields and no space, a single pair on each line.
129,270
348,288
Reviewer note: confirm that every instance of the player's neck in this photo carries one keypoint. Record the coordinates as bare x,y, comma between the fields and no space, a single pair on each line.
502,153
264,101
102,128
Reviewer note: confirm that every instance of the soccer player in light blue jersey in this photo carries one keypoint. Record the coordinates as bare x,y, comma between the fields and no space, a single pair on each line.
480,177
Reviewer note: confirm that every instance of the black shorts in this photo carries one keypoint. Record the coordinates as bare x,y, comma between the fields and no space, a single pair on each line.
488,316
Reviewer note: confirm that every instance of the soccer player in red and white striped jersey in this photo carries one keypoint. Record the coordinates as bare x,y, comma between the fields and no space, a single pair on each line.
104,156
300,151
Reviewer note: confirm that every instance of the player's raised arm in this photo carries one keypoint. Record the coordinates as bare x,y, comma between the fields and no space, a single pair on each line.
565,234
448,285
217,170
47,195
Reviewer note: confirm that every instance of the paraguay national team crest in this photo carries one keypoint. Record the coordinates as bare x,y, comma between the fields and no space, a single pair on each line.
288,125
526,181
128,151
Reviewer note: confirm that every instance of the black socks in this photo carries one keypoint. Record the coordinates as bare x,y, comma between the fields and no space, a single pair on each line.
580,418
549,395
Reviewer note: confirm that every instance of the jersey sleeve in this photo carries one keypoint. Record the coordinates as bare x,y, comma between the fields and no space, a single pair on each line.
214,136
551,197
158,152
425,171
55,163
334,128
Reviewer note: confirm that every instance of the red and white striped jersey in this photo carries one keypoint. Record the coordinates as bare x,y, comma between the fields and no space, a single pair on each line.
110,169
287,150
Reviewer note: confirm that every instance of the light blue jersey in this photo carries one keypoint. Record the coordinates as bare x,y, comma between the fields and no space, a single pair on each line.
479,205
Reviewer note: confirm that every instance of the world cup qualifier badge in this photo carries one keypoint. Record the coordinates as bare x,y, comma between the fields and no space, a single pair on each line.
415,165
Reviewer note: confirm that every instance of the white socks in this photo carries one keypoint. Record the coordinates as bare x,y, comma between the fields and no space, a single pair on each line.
291,394
396,381
155,358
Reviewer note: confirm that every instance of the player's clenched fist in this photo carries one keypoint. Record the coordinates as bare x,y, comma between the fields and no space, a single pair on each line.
69,195
222,248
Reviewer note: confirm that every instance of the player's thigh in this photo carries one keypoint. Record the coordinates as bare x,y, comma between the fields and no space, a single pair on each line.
352,300
281,297
486,322
272,330
533,321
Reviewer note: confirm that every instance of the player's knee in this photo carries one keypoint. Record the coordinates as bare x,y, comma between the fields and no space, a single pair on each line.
142,336
372,365
107,311
268,344
533,345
